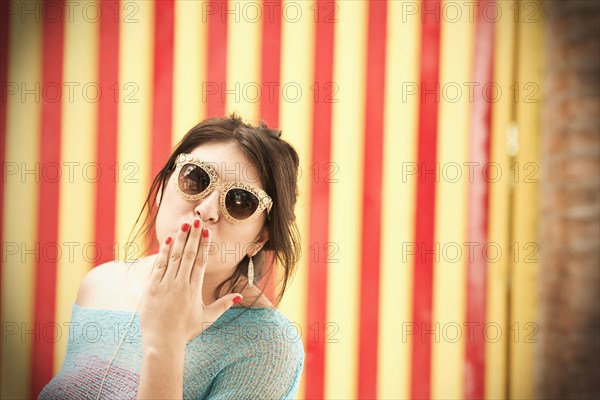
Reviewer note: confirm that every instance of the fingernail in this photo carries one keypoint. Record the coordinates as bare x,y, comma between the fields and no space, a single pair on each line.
168,240
196,223
205,233
237,299
185,227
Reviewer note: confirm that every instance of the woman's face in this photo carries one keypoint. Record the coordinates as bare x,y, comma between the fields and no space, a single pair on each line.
230,242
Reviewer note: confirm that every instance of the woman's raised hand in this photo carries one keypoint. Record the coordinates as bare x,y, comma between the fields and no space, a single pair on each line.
172,311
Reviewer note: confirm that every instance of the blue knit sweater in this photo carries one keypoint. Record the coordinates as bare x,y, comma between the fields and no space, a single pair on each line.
251,353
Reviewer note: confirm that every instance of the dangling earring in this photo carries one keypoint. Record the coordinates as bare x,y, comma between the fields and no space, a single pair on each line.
250,272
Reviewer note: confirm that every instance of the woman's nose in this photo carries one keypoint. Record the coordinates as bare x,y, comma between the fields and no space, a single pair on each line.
208,208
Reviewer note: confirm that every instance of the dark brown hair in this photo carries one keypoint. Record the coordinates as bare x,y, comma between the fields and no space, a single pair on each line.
277,164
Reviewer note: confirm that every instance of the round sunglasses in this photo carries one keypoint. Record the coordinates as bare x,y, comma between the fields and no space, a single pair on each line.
240,202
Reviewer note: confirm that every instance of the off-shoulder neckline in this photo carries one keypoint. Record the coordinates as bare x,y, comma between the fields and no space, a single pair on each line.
75,305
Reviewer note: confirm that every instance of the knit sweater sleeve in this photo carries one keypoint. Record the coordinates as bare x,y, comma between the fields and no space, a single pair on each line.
269,367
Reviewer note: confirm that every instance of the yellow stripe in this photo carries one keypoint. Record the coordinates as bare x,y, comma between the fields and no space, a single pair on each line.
134,126
341,349
78,146
243,58
449,276
189,69
297,57
525,272
495,352
21,201
398,197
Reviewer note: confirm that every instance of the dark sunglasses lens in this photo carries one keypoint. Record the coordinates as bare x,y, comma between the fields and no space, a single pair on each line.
240,203
193,179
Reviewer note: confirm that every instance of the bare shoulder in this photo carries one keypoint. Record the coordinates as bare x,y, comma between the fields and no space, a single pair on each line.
115,285
96,282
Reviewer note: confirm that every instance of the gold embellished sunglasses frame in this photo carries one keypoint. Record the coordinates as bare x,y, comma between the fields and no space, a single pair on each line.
264,200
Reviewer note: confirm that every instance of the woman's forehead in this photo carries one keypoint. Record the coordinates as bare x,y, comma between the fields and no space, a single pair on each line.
229,161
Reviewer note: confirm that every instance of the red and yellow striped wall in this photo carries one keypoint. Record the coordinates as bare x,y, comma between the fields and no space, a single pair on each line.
395,296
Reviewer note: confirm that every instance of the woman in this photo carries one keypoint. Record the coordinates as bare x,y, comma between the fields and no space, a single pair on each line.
189,321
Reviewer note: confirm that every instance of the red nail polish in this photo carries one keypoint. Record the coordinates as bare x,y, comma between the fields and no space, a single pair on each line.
185,227
168,240
196,223
205,233
237,299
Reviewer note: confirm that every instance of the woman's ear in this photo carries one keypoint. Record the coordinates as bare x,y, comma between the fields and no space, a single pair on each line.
260,241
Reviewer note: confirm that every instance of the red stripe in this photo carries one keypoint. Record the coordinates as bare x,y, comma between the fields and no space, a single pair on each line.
477,231
319,207
270,85
4,31
45,279
216,60
106,148
162,99
371,213
270,63
425,191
